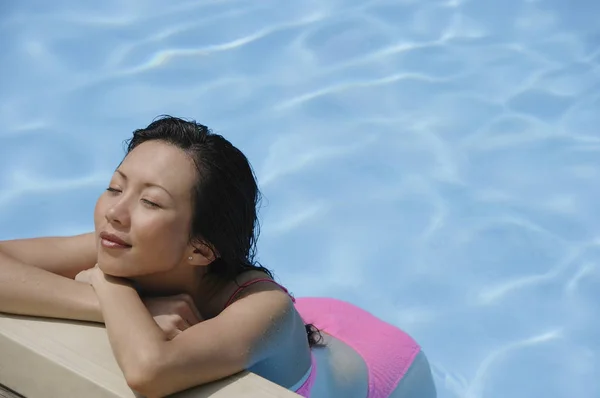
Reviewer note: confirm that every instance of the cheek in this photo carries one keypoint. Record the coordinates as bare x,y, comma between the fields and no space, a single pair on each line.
99,211
160,243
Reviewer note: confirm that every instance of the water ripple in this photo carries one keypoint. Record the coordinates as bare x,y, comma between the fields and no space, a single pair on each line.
433,161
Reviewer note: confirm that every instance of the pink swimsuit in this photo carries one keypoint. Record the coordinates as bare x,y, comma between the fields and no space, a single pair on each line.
387,351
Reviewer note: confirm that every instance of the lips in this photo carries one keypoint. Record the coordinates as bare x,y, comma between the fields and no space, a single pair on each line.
113,241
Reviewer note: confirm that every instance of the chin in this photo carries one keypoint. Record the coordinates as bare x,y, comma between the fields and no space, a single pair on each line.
111,271
110,267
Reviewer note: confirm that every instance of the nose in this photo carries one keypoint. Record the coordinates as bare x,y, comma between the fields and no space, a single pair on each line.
118,213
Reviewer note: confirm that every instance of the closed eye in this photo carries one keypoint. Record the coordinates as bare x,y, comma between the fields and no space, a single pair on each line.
145,201
151,204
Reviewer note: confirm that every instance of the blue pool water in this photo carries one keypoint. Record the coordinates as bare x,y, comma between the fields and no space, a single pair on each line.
436,162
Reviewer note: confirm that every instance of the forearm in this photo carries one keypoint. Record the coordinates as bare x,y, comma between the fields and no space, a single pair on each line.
134,336
28,290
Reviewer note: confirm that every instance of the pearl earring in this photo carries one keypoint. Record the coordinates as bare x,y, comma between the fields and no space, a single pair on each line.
190,258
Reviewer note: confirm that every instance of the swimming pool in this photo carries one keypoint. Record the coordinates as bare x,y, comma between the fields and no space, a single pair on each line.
435,162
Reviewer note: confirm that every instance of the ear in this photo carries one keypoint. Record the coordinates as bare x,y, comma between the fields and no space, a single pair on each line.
201,254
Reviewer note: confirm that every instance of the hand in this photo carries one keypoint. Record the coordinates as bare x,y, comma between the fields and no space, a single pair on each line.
87,276
95,275
173,314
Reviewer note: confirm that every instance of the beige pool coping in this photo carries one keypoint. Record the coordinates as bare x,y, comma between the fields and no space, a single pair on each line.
46,358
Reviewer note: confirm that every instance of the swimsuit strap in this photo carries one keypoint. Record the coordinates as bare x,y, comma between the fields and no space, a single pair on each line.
252,282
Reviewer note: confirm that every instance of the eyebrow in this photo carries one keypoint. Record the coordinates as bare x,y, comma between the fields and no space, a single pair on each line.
146,184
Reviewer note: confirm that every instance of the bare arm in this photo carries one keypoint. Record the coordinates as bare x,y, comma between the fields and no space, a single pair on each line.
66,256
248,331
36,278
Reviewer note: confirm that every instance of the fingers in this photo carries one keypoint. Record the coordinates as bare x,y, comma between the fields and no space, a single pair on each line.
83,276
182,324
173,333
191,313
174,312
188,314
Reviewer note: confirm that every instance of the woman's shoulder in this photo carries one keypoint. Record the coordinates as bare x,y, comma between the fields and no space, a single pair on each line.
286,353
268,313
247,284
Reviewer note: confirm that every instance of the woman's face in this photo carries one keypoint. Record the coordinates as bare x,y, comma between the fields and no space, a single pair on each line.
142,220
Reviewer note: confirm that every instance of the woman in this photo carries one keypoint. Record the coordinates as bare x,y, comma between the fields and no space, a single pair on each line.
170,271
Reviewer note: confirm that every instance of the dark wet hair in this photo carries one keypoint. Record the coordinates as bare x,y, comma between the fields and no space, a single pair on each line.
225,198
